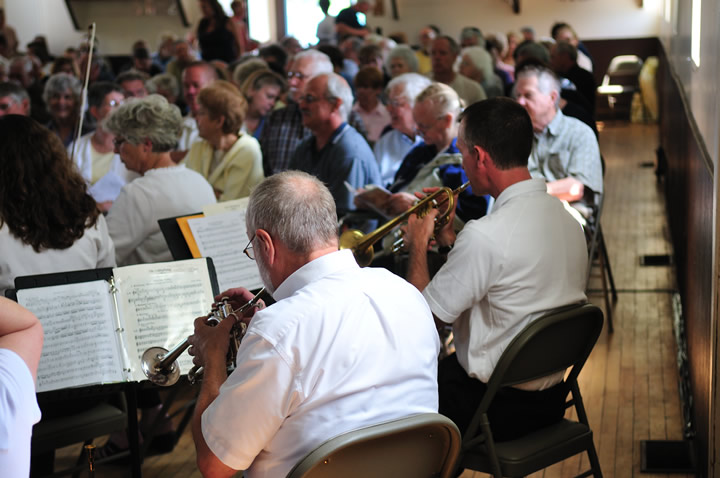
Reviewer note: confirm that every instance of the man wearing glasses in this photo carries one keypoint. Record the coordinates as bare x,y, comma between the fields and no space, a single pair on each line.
335,153
284,128
341,348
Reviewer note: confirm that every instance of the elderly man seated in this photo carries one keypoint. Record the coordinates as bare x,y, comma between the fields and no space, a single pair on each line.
342,347
565,151
445,51
335,153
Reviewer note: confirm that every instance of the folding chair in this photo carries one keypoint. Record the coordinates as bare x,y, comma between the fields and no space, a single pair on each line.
419,446
621,78
553,343
598,257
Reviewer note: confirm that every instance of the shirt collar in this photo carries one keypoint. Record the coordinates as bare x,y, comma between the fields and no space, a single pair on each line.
554,127
315,270
518,189
337,134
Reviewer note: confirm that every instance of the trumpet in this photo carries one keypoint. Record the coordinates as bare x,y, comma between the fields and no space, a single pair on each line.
160,365
362,244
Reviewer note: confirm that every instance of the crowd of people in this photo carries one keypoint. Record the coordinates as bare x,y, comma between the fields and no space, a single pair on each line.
303,132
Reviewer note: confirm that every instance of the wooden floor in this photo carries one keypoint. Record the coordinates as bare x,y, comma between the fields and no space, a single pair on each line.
630,383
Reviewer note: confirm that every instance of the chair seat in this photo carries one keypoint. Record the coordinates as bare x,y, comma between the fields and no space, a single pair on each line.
534,451
98,420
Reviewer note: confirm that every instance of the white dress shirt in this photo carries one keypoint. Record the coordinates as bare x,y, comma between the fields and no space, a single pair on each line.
525,258
343,348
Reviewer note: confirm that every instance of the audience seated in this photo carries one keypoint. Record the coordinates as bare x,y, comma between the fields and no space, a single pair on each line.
394,144
195,77
426,36
335,153
444,53
231,161
437,160
565,151
284,128
402,59
132,83
165,85
476,64
562,32
563,59
146,130
48,221
262,90
350,21
94,153
62,97
368,89
182,58
471,36
14,100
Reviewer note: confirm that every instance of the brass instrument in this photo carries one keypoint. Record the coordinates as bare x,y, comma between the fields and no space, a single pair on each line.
362,244
160,365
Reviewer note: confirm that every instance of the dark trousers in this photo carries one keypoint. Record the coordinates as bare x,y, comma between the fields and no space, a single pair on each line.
513,412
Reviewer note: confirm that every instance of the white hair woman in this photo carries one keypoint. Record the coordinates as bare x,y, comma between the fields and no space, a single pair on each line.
402,59
231,161
146,130
392,146
477,64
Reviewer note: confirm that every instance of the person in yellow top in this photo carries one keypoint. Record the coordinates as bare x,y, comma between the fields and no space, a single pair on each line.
229,160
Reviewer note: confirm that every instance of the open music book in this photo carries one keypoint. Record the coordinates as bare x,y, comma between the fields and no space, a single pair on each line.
97,331
220,234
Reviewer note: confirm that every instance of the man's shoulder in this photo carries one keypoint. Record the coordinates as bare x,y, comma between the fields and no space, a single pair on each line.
572,126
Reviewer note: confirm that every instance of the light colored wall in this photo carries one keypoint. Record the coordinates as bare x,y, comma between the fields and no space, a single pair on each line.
592,19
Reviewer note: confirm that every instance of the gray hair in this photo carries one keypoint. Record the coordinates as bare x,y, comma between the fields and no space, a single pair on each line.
481,59
164,82
10,89
473,32
150,118
295,208
411,85
443,99
547,81
59,83
320,61
338,89
131,75
406,54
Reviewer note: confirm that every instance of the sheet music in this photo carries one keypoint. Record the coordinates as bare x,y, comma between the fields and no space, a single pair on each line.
158,305
226,206
107,188
223,237
81,345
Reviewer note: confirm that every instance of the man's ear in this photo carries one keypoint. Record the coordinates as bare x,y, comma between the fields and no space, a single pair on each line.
93,111
265,246
446,120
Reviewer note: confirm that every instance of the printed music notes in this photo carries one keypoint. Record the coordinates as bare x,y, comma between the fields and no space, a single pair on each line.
96,332
222,237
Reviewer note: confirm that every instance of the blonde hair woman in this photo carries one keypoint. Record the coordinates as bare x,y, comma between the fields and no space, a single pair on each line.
231,161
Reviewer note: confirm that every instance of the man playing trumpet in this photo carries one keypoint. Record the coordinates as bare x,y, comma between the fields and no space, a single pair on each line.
525,258
342,348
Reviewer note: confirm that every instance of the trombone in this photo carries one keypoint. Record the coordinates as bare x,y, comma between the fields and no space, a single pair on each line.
362,244
160,365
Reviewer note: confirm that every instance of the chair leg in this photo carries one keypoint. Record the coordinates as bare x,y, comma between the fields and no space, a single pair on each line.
594,461
604,252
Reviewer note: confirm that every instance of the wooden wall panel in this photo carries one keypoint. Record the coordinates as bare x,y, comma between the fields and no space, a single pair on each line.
689,192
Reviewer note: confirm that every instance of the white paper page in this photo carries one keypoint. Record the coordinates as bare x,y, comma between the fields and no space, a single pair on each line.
81,344
107,188
158,305
223,238
226,206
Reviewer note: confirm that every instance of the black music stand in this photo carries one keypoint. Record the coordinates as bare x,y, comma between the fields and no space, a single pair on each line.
174,237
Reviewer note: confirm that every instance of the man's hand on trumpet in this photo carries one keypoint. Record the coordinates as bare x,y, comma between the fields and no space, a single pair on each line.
238,297
420,231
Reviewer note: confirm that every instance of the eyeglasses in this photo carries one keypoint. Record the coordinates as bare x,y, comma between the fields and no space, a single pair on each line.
309,99
397,103
295,74
248,251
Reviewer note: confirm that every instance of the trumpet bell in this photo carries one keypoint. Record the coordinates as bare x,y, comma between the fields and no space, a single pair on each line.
153,370
351,239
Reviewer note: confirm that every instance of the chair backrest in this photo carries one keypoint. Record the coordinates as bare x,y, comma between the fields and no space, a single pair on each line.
554,342
623,70
419,446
